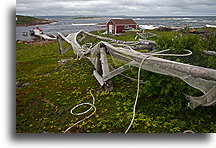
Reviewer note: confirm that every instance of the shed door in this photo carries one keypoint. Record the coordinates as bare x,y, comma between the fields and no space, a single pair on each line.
110,29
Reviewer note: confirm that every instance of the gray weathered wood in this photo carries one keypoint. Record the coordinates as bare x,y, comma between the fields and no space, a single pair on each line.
105,68
71,39
109,39
117,71
144,46
82,38
98,77
61,48
104,62
64,38
120,56
60,45
195,76
211,53
195,71
65,50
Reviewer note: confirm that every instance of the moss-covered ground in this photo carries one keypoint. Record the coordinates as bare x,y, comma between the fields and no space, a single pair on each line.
51,88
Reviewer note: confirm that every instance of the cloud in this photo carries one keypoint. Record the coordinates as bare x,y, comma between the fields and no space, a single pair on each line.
116,7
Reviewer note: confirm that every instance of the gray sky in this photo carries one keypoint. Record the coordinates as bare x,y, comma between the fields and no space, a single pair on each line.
116,7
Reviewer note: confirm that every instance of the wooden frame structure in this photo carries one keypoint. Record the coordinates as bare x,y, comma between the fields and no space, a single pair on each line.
201,78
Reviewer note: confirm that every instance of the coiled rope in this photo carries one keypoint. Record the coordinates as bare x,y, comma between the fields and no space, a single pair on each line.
81,113
137,94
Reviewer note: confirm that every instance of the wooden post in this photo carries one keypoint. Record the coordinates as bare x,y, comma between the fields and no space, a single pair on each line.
98,77
60,44
61,48
104,62
105,68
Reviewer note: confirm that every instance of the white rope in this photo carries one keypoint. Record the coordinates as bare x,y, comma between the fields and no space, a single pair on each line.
81,113
176,55
137,95
148,36
138,87
188,131
138,82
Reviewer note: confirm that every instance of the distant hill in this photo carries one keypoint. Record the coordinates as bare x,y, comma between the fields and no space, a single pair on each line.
28,21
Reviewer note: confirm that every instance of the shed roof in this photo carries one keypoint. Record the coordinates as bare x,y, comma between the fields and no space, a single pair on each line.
123,21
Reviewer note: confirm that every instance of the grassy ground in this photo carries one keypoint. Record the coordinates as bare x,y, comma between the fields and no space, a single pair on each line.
51,89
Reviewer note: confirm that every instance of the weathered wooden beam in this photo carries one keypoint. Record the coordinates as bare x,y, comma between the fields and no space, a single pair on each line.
117,71
109,39
105,68
141,47
71,39
211,53
64,38
65,50
60,47
120,56
98,77
195,76
104,62
195,71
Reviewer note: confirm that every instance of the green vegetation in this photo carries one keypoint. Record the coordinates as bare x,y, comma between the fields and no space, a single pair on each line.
54,88
193,42
26,19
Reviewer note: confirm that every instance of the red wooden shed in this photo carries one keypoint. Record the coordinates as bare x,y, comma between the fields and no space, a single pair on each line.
115,26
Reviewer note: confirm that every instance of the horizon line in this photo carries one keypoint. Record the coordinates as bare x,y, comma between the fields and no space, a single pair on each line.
118,15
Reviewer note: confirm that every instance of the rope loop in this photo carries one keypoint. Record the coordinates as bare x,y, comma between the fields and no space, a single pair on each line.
81,113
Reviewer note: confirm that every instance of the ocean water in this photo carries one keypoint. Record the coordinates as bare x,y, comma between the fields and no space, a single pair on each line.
67,24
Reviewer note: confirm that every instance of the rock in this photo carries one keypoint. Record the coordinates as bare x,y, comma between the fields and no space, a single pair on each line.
22,85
